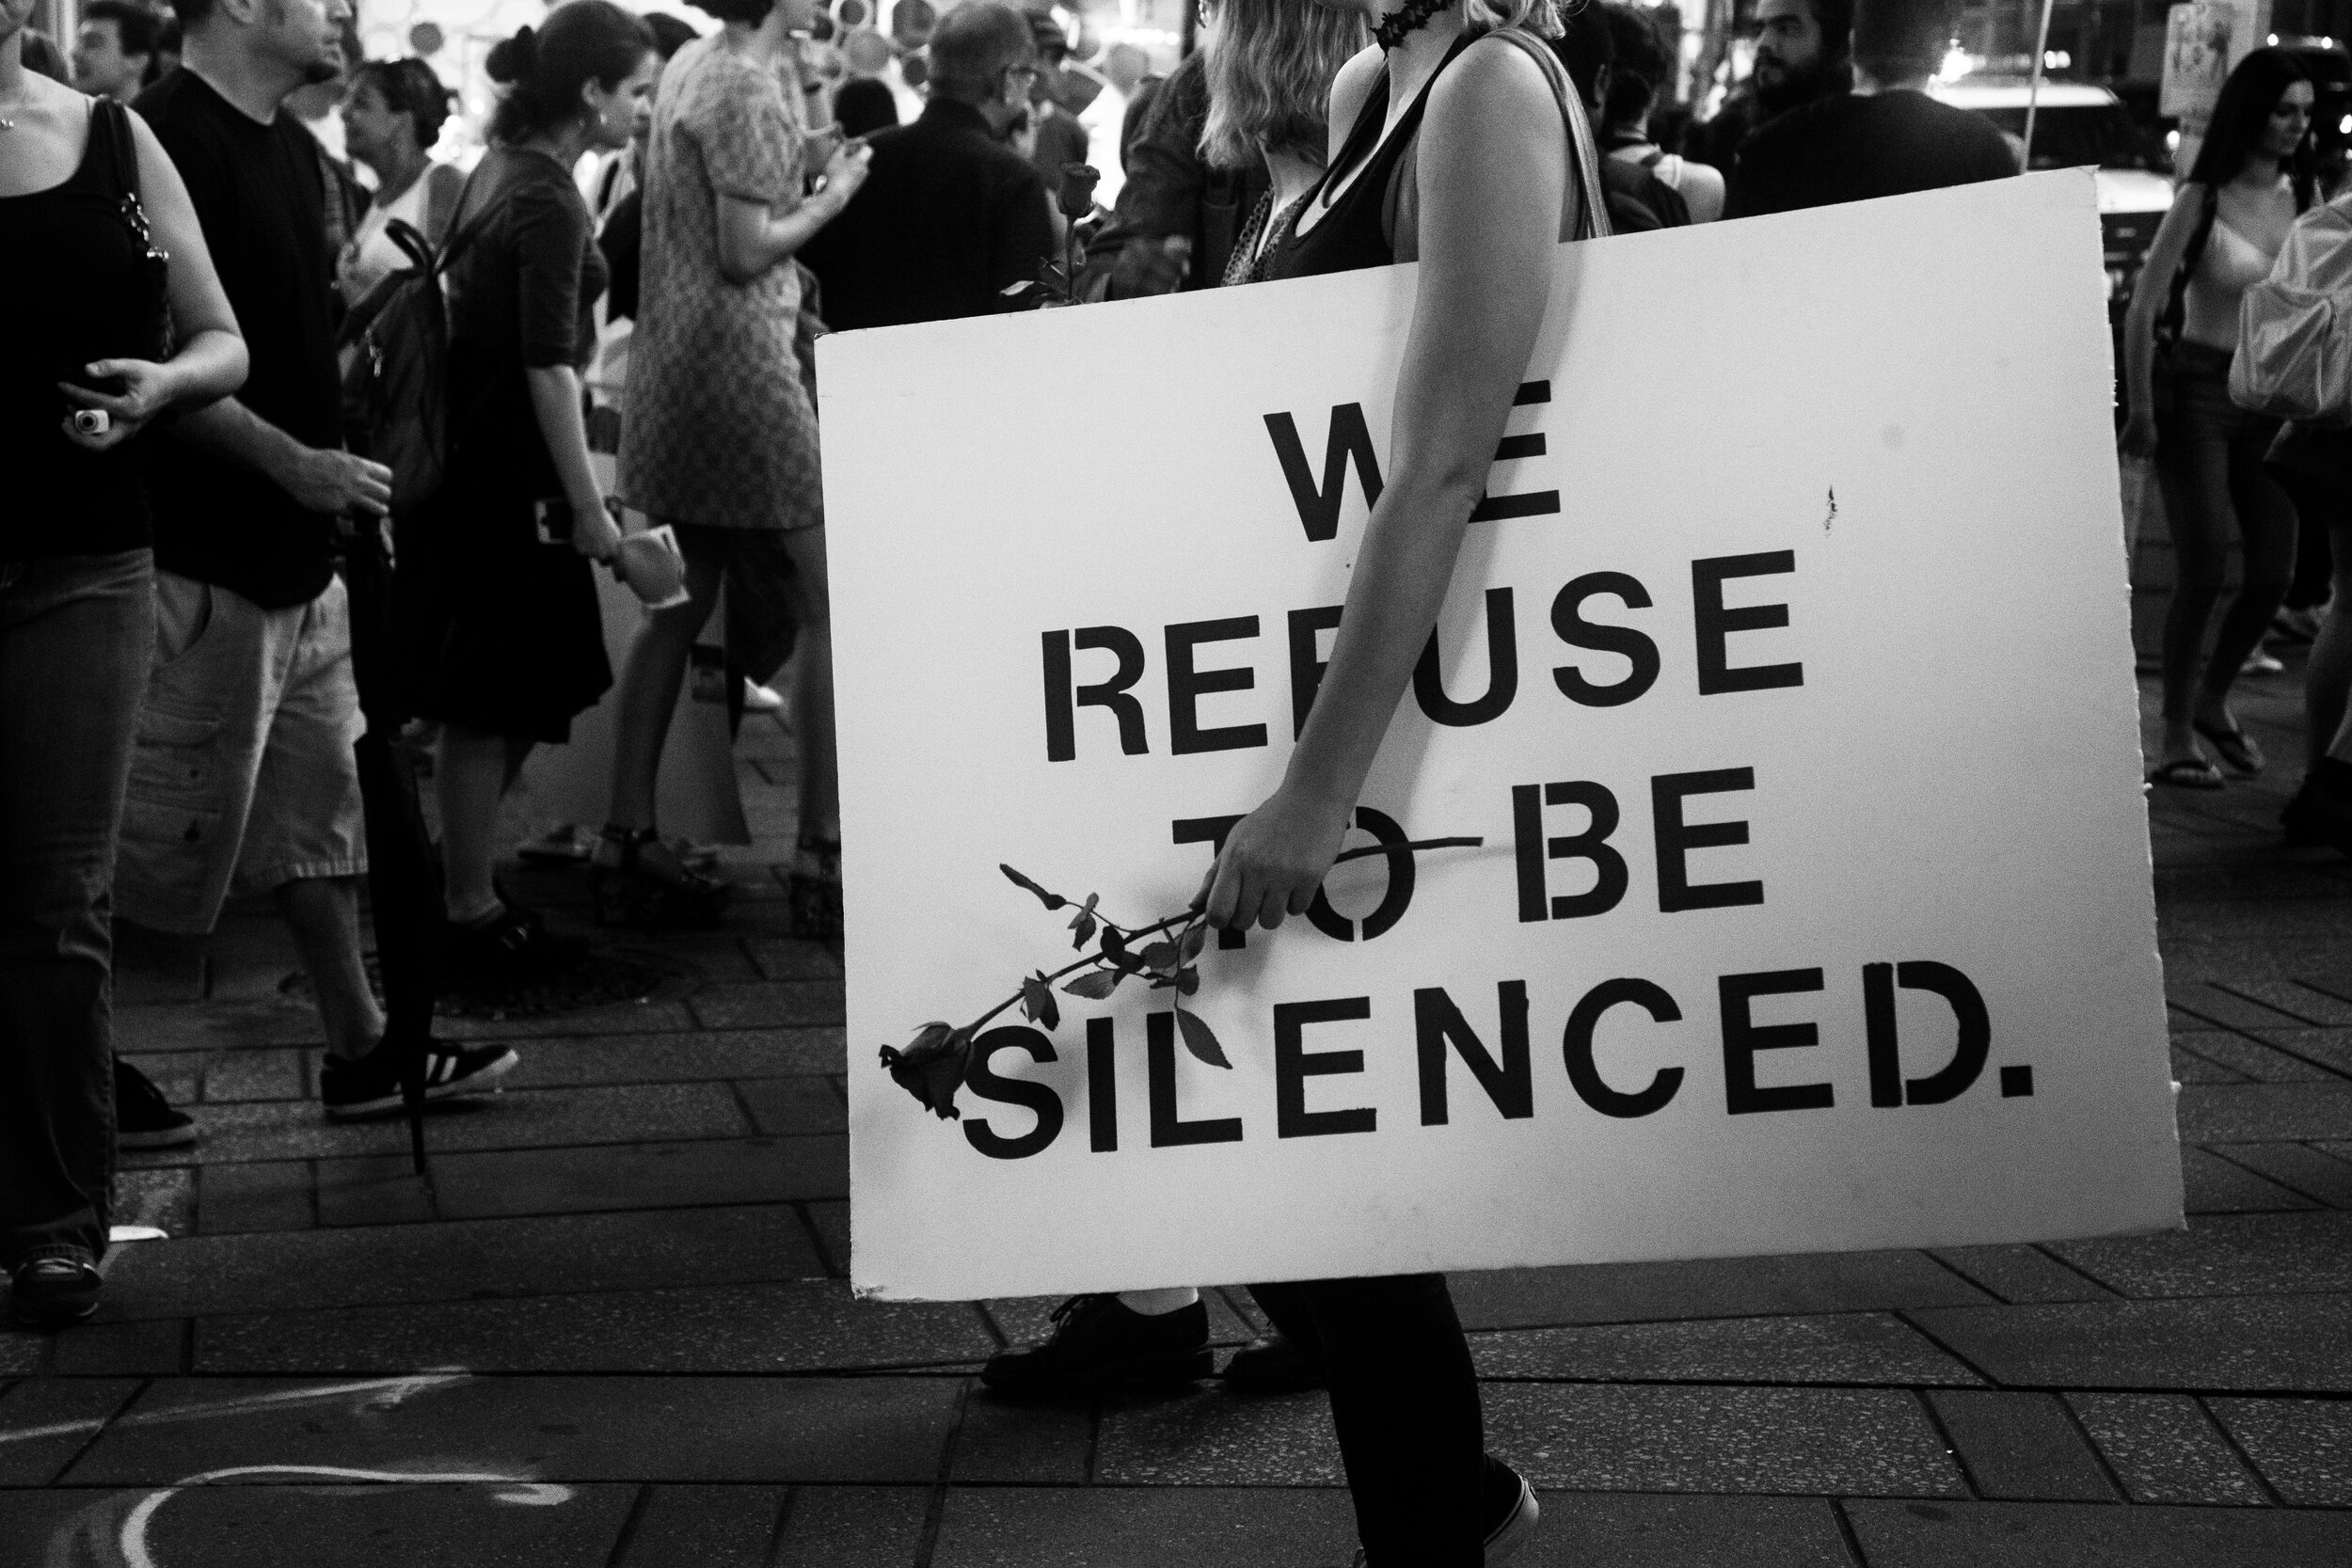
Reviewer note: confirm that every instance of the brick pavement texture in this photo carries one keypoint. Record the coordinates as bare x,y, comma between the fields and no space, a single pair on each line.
613,1328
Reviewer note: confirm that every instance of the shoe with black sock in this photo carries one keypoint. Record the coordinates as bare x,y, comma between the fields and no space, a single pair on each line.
1274,1365
1098,1344
143,1118
1507,1513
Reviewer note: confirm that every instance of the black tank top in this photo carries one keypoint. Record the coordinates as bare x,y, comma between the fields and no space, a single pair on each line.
69,281
1351,233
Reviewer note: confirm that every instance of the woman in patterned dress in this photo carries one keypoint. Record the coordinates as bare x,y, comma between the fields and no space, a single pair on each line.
720,441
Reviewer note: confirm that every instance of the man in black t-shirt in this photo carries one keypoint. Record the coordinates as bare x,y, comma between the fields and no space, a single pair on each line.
1886,138
245,778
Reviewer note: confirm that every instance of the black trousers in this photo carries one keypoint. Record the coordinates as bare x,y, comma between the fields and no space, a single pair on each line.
1405,1404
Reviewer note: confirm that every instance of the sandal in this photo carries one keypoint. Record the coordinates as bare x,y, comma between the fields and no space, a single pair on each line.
2187,773
625,887
816,888
2237,746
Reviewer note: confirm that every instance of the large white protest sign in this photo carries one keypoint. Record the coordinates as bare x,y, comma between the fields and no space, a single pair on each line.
1786,679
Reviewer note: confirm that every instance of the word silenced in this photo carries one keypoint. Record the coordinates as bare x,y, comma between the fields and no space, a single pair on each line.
1189,677
1443,1036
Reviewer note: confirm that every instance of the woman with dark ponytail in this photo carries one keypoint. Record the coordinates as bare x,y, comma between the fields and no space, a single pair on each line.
512,643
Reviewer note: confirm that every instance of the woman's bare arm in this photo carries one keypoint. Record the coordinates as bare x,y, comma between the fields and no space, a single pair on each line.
208,361
2150,296
1491,135
753,237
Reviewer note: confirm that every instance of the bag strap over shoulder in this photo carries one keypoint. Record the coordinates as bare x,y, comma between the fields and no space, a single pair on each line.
1401,211
110,120
2176,304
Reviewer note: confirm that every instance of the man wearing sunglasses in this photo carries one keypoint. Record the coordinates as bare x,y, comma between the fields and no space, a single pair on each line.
949,215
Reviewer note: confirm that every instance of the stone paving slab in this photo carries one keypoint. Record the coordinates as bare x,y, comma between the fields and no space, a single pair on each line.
2021,1447
1049,1443
2190,1068
2303,1447
2256,1113
1733,1288
2267,1254
2331,1049
647,1176
45,1422
374,1189
2211,1185
162,1198
848,1527
1214,1438
1144,1527
768,1004
1855,1347
2243,1343
621,1017
793,960
2299,999
677,1058
706,1526
518,1119
313,1269
152,1347
2257,1060
795,1106
269,1194
279,1073
1635,1437
2021,1275
762,1430
2300,1167
372,1525
791,1326
2165,1450
21,1351
2094,1535
215,1026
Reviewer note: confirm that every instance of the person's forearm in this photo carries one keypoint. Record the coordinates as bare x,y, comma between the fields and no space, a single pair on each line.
209,366
2139,348
1393,596
227,428
781,238
555,400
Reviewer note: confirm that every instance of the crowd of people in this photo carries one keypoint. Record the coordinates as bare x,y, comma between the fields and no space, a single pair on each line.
635,271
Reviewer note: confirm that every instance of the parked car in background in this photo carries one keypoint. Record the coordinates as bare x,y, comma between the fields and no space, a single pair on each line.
2076,124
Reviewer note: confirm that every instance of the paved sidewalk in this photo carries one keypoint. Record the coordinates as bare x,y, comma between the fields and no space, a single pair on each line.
613,1330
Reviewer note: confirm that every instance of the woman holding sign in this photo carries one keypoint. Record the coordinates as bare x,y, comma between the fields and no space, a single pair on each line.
2251,177
1461,108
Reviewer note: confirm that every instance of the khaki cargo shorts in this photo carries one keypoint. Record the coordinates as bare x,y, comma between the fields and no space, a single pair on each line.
244,778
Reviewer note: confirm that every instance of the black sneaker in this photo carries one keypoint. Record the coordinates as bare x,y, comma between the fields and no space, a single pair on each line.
512,943
370,1085
53,1293
1274,1365
1100,1344
143,1118
1506,1508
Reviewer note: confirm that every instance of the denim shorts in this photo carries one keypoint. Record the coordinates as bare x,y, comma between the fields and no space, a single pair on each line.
243,779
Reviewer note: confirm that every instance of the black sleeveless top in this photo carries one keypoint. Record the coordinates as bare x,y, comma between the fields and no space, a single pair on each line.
1350,233
69,281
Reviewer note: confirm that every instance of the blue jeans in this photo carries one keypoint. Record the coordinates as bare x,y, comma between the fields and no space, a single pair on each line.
75,637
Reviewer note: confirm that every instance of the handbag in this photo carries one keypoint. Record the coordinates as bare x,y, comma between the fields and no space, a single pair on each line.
150,285
2294,357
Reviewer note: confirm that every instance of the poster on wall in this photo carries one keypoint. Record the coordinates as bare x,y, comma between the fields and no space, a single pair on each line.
1770,896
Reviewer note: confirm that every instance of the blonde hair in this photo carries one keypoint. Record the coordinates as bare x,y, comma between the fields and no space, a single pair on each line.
1540,17
1269,64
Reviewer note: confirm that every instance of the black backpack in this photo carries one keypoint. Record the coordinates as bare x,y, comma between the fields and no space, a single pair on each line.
394,347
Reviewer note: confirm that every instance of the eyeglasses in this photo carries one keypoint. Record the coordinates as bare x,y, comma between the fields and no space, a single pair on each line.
1024,73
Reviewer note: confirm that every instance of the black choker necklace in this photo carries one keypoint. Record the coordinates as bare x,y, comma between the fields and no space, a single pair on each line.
1390,31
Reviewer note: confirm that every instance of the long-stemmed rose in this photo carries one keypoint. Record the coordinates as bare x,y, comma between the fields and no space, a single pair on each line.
934,1063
